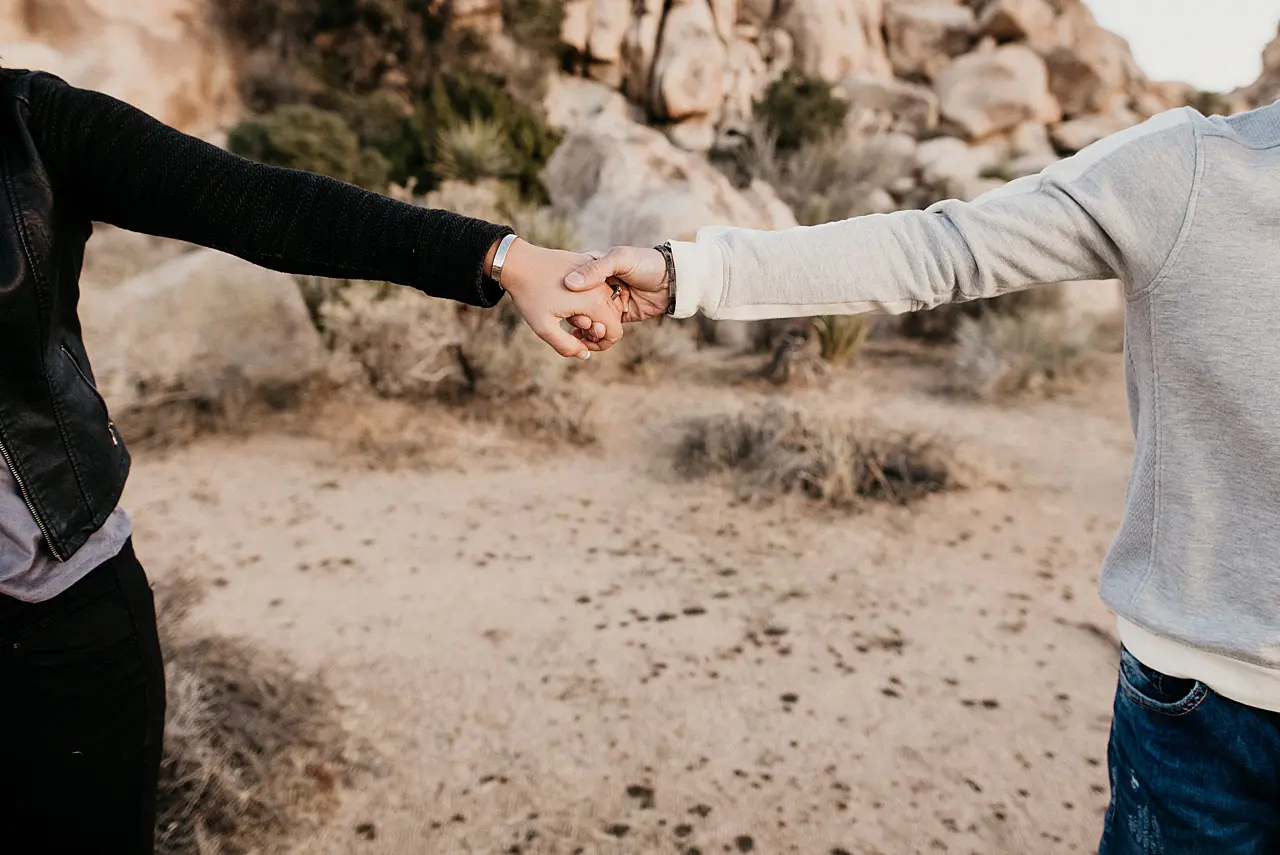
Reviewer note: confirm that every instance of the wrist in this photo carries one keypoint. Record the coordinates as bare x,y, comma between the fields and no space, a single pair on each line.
518,258
498,258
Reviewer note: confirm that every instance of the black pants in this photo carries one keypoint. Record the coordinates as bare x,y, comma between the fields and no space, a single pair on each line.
81,717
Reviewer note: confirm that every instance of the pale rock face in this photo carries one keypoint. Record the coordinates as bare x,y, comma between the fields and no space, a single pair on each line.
924,35
747,77
835,38
163,56
609,22
623,183
1266,89
198,325
1030,21
690,71
988,93
1092,69
900,105
1078,134
639,46
573,102
949,164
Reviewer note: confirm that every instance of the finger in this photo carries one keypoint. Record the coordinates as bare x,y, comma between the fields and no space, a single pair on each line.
595,273
598,332
563,343
612,335
582,322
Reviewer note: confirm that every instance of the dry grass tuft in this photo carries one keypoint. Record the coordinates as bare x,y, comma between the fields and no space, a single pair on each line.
778,450
999,356
253,753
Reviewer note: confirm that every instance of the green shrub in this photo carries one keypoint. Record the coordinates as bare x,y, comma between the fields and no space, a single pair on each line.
302,137
535,25
798,109
1212,104
473,151
467,96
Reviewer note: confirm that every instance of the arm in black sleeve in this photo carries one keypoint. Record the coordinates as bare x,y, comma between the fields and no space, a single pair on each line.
127,169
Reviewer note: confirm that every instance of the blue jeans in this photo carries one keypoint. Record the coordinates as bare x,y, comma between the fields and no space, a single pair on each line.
1192,773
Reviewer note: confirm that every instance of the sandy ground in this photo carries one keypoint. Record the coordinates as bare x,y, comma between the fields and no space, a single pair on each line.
564,651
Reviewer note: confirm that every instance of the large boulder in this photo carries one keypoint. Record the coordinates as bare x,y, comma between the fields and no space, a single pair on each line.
690,70
899,105
1091,70
985,93
166,57
1030,21
621,182
1077,134
835,38
1266,89
573,102
639,46
924,35
196,328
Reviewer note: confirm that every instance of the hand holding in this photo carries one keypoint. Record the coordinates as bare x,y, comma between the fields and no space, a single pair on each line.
641,272
534,278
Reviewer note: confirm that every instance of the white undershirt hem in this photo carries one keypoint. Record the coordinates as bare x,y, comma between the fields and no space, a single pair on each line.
1252,685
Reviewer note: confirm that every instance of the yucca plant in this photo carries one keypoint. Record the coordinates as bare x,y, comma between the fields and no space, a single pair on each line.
840,337
474,150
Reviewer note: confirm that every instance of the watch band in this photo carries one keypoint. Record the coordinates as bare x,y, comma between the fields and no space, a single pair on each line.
500,257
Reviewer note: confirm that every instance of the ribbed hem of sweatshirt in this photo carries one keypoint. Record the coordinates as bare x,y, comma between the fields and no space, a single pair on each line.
451,251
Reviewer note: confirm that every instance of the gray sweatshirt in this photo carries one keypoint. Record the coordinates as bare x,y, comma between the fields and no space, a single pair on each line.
1185,210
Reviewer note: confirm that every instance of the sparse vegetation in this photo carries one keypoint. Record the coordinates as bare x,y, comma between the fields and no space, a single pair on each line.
253,753
942,324
648,349
798,109
1002,355
305,137
473,151
425,98
840,337
823,181
1212,103
777,450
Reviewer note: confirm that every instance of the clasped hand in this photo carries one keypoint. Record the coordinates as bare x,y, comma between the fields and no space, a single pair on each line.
596,292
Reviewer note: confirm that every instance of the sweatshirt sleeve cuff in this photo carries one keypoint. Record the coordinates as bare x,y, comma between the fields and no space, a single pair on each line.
700,281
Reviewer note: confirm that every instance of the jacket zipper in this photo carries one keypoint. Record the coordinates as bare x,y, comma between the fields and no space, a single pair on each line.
111,426
26,497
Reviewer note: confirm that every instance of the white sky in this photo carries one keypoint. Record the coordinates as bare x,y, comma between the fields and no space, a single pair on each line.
1213,44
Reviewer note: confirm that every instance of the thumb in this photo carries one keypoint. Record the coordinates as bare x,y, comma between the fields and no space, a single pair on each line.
594,273
563,343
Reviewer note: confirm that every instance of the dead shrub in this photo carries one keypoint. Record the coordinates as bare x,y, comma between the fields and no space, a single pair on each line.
775,450
401,344
997,356
253,754
647,349
404,345
796,359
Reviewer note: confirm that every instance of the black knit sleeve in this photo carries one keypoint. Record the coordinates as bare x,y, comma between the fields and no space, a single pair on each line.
127,169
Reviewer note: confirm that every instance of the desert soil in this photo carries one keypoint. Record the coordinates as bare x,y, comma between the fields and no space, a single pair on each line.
561,650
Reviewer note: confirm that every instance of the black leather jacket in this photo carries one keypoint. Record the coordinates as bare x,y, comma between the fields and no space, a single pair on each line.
56,435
